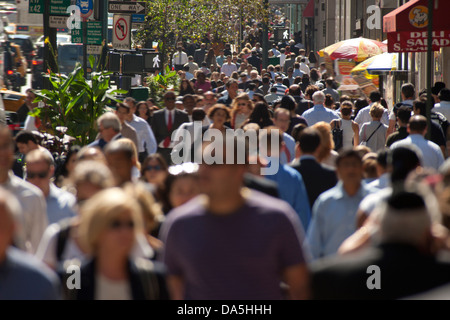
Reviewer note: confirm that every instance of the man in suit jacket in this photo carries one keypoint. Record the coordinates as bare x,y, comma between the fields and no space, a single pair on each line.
199,55
402,263
165,122
317,177
109,128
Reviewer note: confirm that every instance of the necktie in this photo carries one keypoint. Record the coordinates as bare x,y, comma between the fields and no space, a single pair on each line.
169,128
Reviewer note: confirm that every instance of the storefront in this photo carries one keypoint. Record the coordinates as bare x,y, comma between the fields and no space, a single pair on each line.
407,27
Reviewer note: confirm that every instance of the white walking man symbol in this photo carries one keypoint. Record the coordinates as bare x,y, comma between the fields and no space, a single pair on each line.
286,34
156,61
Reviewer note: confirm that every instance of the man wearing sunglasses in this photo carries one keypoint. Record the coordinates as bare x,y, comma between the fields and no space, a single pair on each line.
165,122
40,171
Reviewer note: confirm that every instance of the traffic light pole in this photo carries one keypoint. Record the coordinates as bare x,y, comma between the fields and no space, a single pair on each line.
49,33
429,66
265,44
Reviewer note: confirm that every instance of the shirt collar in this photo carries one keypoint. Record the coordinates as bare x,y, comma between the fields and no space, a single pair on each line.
341,193
319,106
307,157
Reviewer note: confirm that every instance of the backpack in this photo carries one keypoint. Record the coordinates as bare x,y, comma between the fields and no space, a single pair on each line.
338,136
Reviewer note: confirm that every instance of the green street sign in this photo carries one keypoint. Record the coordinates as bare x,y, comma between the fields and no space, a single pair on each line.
36,6
94,33
57,7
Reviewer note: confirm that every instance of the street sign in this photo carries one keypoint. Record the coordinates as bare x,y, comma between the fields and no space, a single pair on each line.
121,32
138,18
126,7
36,6
57,7
92,49
94,33
58,22
86,8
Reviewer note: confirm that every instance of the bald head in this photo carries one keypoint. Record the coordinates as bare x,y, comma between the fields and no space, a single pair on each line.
417,125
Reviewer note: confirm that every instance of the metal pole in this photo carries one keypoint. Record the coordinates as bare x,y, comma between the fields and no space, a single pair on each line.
265,44
85,48
429,65
51,34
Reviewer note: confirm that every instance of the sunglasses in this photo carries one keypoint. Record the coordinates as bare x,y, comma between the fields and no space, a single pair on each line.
117,224
150,168
169,99
242,104
40,175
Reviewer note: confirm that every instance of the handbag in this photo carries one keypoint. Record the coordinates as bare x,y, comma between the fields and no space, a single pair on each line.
364,142
338,136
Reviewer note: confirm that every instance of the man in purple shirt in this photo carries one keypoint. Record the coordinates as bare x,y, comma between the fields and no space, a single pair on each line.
233,243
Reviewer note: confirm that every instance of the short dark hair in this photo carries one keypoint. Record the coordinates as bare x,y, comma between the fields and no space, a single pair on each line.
122,105
25,137
348,153
309,140
198,114
444,95
421,106
382,158
404,114
288,102
375,96
118,147
408,90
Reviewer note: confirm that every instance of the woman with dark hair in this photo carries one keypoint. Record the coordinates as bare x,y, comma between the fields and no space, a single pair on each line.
305,82
288,103
67,167
143,111
210,58
202,83
314,75
219,114
154,170
329,102
359,104
261,115
186,88
180,186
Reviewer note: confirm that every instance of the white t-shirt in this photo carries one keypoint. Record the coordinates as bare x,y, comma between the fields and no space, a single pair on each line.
107,289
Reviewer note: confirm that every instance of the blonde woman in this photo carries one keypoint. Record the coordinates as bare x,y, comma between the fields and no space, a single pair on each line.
373,134
110,223
327,155
241,109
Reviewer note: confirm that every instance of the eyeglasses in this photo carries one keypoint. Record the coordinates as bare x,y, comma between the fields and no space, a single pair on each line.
150,168
40,175
117,224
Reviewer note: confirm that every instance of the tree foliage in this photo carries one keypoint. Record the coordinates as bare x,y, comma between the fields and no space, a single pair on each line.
170,21
75,103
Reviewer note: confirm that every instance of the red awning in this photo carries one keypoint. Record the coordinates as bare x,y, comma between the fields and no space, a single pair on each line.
309,10
407,26
413,16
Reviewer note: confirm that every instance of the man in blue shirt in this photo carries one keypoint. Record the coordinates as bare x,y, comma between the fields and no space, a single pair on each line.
319,113
334,212
22,276
40,170
290,182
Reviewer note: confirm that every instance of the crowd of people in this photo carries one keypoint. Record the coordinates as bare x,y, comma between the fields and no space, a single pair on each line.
358,185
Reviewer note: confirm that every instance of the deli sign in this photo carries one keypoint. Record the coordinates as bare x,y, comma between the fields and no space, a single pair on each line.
417,41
